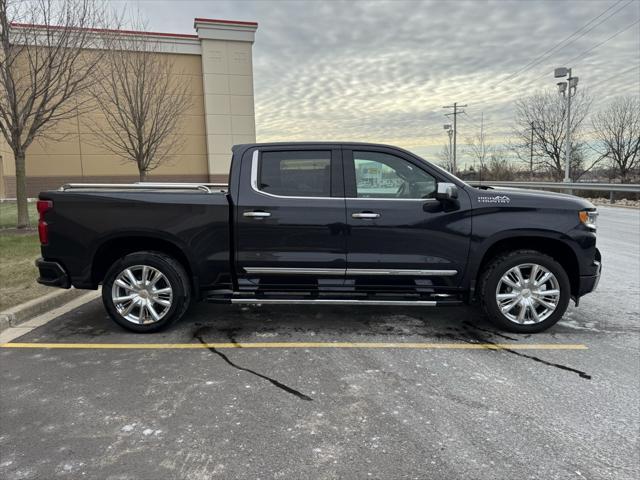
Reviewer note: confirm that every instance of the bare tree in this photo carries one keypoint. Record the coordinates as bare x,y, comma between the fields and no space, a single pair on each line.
617,132
445,159
547,113
142,100
478,149
44,71
499,167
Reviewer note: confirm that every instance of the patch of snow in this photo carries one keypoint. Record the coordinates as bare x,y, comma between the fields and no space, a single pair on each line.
589,326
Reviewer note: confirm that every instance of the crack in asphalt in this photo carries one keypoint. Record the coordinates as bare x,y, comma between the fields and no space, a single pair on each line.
479,338
230,333
497,334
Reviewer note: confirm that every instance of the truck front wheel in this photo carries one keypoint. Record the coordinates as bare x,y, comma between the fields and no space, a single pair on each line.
146,291
524,291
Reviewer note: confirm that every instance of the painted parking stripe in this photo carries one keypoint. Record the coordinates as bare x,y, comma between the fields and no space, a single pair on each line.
400,345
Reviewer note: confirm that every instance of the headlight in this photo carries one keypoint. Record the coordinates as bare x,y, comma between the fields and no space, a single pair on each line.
589,218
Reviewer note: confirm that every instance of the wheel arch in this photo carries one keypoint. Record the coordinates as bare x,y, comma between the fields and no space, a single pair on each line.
552,245
115,247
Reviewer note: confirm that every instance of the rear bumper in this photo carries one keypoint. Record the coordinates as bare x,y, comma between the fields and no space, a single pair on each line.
52,274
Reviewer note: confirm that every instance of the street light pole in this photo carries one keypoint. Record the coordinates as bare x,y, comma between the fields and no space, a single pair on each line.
450,132
567,89
447,127
567,147
531,154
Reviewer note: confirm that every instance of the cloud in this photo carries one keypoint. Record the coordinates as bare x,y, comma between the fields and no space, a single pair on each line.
381,71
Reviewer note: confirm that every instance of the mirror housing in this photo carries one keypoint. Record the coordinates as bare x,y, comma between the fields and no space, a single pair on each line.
447,191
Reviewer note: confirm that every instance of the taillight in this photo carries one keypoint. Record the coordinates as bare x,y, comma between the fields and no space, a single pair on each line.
43,228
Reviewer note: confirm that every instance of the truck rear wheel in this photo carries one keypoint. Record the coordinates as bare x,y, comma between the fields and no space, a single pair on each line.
146,291
525,291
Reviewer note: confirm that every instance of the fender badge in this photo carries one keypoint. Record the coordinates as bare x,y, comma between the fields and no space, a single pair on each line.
498,199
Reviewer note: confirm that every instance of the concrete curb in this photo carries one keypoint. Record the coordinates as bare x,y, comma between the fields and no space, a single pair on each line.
14,316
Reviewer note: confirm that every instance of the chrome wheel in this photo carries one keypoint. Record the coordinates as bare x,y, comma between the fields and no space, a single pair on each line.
142,294
528,294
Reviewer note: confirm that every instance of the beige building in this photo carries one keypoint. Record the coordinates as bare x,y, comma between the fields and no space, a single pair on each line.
218,64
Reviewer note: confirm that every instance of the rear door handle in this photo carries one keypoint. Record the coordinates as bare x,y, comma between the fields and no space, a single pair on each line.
365,215
256,214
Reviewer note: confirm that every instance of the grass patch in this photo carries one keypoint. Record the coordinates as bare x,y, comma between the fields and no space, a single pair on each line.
9,214
17,270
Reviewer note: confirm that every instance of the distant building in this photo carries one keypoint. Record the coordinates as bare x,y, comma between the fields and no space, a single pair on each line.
218,60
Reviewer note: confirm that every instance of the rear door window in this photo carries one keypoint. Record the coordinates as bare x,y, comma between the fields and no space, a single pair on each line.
303,173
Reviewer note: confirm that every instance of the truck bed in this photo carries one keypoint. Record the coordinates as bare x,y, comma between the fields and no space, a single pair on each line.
90,222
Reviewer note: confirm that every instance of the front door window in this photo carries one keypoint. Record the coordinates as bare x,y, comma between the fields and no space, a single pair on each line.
380,175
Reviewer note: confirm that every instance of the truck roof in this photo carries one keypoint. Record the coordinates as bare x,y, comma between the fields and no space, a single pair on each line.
308,143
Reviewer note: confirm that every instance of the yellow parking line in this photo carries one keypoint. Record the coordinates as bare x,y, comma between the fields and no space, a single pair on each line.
414,346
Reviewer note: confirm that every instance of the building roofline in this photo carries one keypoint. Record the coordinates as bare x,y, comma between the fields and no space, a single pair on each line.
230,22
107,30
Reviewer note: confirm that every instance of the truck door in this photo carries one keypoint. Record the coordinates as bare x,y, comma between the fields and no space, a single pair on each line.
400,237
290,218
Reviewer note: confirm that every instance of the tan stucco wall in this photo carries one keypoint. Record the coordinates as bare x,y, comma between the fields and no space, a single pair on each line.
220,83
6,158
71,152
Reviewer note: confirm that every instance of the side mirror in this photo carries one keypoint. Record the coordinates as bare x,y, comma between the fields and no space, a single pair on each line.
447,191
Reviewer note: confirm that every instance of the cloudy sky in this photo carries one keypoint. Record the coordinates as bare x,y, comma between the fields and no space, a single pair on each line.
382,70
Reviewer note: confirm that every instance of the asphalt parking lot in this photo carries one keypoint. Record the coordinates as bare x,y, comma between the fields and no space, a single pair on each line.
416,393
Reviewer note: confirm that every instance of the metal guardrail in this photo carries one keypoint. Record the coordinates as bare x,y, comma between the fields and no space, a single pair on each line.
602,187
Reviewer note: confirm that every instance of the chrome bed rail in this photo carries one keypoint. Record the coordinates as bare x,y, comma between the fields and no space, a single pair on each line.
202,187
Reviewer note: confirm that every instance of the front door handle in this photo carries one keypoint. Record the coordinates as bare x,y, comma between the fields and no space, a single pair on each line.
256,214
365,215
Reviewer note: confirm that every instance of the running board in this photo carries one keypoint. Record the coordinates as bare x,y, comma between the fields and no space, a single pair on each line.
337,301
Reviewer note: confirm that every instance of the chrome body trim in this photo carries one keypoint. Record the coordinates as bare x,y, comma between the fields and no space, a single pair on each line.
294,271
334,301
254,183
256,214
254,187
136,186
365,215
348,271
423,200
401,272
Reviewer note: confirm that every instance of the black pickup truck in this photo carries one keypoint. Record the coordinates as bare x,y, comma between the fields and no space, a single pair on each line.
321,223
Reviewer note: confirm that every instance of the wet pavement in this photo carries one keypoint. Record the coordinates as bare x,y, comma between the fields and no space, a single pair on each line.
567,407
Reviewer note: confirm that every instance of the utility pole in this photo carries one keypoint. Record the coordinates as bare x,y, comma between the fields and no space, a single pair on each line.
455,114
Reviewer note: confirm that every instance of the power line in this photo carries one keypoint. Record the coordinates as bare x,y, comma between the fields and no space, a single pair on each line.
589,50
603,42
580,33
617,74
475,122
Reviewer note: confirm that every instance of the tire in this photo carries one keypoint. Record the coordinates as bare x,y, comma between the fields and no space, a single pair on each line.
527,302
155,303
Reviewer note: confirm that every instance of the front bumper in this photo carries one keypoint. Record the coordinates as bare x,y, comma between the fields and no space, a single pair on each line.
589,283
52,274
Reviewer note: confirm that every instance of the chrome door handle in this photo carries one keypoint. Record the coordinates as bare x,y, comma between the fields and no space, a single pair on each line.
365,215
256,214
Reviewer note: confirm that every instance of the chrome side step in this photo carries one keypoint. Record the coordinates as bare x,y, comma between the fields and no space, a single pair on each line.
333,301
